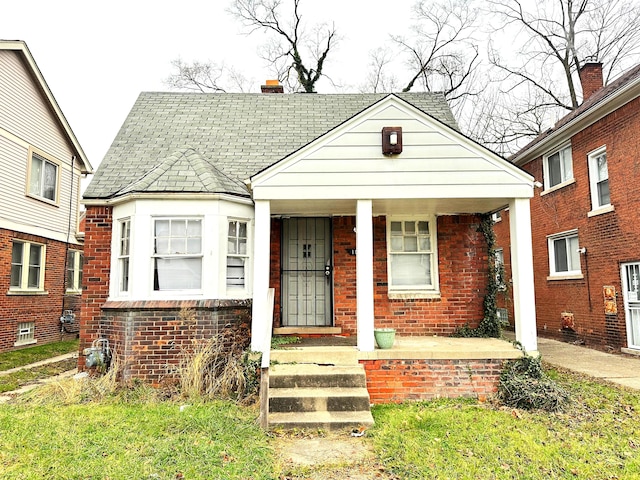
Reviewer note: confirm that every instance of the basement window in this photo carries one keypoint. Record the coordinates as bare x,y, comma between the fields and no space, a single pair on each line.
26,334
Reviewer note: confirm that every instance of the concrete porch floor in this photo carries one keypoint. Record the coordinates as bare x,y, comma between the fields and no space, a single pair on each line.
342,350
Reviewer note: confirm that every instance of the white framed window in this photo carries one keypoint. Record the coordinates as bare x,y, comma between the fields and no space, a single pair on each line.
177,254
558,168
411,254
237,253
599,178
43,177
123,255
564,258
75,260
26,333
27,266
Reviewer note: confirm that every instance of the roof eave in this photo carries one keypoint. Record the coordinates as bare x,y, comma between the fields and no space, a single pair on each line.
599,110
21,47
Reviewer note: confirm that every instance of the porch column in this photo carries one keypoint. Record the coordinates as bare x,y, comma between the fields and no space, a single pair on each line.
524,305
260,314
364,274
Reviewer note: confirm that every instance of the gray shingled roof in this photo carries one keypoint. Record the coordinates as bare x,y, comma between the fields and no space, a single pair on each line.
211,143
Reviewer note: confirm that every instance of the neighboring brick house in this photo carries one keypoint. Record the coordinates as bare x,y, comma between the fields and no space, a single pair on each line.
359,210
585,217
41,163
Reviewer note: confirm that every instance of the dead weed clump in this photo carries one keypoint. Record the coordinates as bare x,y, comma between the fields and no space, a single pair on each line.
76,389
219,367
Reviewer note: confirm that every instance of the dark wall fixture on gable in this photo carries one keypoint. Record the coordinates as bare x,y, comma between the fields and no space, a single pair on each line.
391,140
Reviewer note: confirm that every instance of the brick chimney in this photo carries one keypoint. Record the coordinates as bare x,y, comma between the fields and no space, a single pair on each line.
272,86
590,78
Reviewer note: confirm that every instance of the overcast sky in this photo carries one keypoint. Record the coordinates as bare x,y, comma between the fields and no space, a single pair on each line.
98,56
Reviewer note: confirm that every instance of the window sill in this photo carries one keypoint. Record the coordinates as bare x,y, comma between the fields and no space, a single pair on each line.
601,210
53,203
413,295
73,292
27,292
558,187
577,276
26,342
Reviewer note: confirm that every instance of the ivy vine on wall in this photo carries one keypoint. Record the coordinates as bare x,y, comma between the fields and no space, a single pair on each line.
490,324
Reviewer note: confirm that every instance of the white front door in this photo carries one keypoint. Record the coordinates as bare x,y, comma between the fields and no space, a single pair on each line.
630,274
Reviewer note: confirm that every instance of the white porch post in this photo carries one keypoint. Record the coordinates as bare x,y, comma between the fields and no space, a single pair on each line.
364,274
260,316
522,269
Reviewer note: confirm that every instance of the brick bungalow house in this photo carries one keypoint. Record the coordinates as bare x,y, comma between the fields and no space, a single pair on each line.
585,217
41,163
357,210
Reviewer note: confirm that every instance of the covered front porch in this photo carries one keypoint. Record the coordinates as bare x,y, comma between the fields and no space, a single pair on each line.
434,315
410,219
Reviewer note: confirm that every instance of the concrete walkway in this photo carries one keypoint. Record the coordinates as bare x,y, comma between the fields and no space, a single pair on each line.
622,369
59,358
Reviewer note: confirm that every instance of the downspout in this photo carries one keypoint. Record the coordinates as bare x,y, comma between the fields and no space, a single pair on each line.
66,253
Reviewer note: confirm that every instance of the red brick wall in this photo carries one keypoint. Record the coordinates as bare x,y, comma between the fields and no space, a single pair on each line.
97,265
45,309
610,238
462,265
462,255
394,381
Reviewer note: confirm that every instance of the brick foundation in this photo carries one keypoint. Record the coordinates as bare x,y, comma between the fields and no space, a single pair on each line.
395,380
149,337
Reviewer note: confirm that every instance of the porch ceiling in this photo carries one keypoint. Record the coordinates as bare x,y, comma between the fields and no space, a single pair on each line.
437,206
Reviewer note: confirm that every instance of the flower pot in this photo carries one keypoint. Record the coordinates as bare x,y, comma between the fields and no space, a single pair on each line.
384,337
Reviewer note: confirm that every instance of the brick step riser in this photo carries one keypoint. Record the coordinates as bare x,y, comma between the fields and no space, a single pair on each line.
317,381
318,404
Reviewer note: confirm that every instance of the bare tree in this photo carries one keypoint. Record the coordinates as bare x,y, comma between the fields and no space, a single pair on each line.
378,80
442,54
555,37
206,77
289,41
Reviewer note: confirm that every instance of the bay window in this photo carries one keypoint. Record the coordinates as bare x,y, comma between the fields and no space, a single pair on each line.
236,253
123,257
177,254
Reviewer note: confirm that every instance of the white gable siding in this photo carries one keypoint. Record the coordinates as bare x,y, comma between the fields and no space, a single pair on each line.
435,163
26,119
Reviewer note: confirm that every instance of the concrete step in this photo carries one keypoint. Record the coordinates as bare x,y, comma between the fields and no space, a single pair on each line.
316,376
318,399
322,420
316,355
318,396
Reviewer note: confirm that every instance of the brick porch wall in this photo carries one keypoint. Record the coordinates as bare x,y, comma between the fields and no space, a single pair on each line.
395,381
42,309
